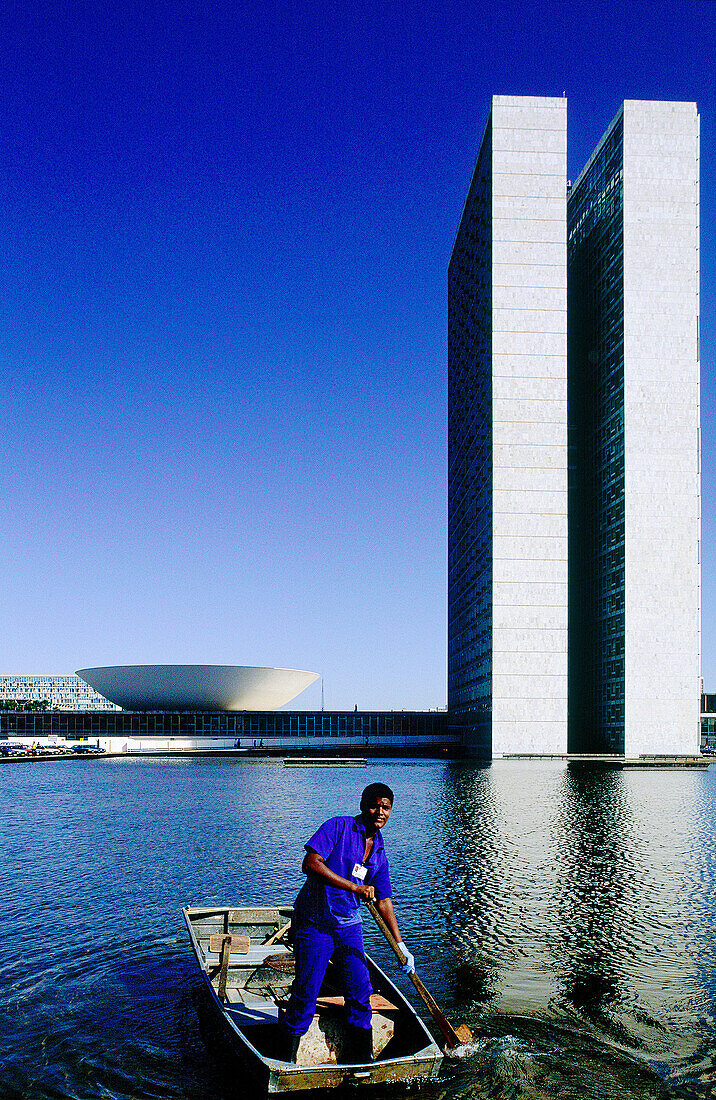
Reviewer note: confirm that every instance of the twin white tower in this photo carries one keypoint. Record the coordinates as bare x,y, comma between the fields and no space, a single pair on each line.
574,474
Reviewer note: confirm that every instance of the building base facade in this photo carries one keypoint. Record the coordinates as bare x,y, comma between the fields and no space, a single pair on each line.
375,733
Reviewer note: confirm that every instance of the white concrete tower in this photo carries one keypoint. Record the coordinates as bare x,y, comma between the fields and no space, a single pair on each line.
634,503
661,428
507,600
529,423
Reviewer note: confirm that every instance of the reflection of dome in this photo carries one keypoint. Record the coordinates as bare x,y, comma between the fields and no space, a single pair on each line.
197,687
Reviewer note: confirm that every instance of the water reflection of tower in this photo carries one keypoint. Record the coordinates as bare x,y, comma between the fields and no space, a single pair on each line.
595,883
468,874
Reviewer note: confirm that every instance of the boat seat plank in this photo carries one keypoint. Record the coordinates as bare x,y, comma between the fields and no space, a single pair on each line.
240,945
253,916
377,1002
245,1015
250,998
255,956
246,1008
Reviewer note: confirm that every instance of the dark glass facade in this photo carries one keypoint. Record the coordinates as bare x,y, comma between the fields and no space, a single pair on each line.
708,722
470,464
595,410
399,726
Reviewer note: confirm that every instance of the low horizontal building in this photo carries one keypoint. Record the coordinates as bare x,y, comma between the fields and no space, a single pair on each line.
169,708
57,692
373,732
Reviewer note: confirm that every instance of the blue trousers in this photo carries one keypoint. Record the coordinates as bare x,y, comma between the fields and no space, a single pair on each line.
313,948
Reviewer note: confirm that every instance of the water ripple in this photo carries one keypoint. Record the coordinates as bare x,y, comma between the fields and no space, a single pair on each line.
567,916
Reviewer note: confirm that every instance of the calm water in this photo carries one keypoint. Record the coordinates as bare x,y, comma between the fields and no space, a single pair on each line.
568,917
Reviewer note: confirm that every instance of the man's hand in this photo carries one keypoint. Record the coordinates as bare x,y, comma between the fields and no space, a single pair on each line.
313,864
408,966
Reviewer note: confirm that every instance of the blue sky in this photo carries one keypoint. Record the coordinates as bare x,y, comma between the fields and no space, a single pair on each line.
225,232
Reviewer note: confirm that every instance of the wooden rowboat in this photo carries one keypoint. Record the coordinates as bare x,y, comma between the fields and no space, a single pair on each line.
248,972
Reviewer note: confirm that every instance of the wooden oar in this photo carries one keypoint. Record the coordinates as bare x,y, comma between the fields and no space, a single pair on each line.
278,935
454,1036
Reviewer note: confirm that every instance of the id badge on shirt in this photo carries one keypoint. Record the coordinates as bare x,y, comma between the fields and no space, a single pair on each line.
359,871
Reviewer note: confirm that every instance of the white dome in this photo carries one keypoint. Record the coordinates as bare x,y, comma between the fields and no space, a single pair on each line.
197,687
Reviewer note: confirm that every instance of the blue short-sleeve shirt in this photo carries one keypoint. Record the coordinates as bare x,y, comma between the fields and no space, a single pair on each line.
340,841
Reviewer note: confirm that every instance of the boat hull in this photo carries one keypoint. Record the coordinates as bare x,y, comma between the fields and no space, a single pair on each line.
418,1060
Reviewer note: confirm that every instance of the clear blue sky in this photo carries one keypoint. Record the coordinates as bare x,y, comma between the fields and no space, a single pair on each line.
224,232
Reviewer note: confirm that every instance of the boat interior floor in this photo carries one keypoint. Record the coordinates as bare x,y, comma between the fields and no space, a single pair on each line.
258,982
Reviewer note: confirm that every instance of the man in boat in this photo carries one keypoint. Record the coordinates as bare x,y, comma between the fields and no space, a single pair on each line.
345,863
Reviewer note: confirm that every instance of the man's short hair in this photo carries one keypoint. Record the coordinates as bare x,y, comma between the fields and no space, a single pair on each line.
374,791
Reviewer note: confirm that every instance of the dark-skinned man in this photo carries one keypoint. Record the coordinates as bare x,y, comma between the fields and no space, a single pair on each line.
345,862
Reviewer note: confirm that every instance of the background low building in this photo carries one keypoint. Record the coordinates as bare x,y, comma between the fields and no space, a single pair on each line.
57,692
374,733
207,708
